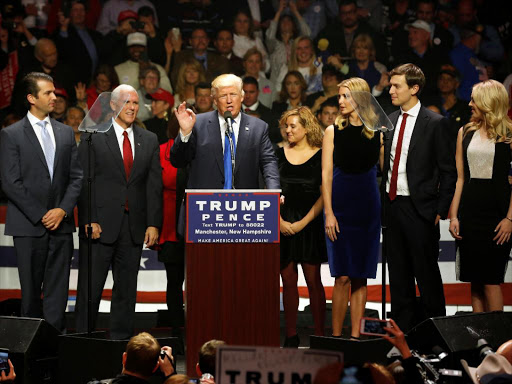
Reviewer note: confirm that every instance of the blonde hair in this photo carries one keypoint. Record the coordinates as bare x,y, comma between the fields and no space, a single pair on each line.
181,84
294,64
314,132
364,41
227,80
491,99
356,84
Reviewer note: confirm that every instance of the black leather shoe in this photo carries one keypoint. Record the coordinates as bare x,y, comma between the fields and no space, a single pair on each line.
291,342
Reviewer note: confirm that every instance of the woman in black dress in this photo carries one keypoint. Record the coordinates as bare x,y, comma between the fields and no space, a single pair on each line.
300,168
481,210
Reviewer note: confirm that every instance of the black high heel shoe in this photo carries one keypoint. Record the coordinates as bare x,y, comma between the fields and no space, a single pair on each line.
292,342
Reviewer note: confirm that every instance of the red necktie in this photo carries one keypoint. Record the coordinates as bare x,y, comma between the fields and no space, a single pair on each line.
127,160
127,155
396,162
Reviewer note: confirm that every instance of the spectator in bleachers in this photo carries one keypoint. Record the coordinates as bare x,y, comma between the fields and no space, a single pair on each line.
304,60
77,43
316,13
105,80
149,79
224,42
327,112
253,106
363,62
114,50
464,58
190,74
491,49
281,33
439,35
9,67
423,54
245,39
128,71
73,117
203,97
450,106
111,10
61,105
213,63
342,32
161,105
292,94
253,66
48,62
156,50
399,14
372,12
93,8
331,77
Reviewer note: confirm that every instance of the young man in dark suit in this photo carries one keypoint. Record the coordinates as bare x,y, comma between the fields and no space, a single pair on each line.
126,210
418,182
202,143
42,178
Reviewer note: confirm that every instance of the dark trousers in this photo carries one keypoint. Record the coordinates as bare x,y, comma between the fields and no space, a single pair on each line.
124,257
412,252
43,267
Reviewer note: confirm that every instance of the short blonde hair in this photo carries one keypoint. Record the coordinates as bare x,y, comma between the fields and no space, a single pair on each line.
356,84
491,98
364,41
314,132
294,64
181,84
227,80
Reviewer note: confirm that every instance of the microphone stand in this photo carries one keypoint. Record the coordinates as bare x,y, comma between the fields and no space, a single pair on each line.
90,318
229,132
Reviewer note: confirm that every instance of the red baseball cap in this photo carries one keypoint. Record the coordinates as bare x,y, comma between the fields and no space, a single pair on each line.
162,94
127,14
61,92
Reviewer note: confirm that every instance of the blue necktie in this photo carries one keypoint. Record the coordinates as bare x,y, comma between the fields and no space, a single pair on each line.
48,148
227,160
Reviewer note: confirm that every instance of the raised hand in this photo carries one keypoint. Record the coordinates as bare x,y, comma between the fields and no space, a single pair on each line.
186,118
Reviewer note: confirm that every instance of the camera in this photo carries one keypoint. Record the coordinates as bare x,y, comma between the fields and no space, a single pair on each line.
137,25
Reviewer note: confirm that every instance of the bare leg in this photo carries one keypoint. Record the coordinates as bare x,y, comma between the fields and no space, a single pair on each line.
316,296
477,298
357,305
289,275
340,295
493,297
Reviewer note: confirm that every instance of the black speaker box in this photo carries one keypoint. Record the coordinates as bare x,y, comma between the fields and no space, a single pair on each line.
355,352
84,357
458,335
32,345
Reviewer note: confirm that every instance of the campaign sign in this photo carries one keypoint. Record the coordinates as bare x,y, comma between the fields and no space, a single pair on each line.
233,216
251,365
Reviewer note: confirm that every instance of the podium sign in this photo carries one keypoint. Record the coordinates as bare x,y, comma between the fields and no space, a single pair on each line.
233,216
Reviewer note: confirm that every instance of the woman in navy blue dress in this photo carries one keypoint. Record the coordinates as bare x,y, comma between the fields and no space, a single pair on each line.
350,153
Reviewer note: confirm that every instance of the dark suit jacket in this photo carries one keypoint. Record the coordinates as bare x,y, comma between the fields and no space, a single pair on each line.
431,171
110,190
203,152
26,179
217,65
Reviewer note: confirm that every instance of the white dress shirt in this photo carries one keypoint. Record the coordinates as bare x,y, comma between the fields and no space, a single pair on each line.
120,137
402,187
37,129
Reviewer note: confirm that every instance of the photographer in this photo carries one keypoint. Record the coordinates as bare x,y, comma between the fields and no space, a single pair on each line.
113,50
146,24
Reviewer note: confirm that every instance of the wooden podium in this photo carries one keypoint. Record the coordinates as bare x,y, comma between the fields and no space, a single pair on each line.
232,290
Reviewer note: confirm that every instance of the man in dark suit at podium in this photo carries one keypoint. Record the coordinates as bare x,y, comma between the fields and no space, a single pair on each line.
203,143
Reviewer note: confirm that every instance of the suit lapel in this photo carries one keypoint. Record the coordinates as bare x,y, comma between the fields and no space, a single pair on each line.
138,146
32,138
421,121
113,145
58,134
244,133
214,133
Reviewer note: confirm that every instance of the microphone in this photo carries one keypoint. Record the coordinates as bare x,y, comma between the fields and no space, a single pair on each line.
228,116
